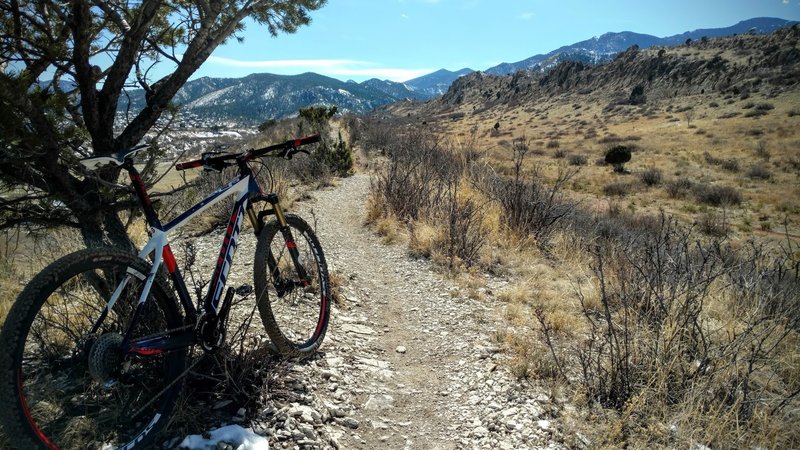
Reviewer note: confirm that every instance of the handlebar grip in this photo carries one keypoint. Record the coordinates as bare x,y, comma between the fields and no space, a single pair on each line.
306,140
189,164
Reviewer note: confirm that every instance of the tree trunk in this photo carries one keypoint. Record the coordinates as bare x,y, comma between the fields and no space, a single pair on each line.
104,229
99,224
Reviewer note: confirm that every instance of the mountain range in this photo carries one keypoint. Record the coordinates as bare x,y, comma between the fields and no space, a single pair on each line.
259,97
603,49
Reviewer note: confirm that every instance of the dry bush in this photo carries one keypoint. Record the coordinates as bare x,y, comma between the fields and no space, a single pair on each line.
730,165
414,181
716,195
679,188
424,182
714,224
762,151
651,176
529,207
577,160
464,232
620,188
691,335
759,173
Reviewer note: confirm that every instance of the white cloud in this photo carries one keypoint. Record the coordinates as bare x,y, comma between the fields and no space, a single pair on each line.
526,16
330,67
404,16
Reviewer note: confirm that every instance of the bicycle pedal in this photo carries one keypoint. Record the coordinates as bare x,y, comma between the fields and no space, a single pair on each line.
244,289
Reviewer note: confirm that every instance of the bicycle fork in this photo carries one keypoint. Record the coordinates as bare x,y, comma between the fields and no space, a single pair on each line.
284,286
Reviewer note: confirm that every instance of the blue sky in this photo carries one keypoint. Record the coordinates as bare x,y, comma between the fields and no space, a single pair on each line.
403,39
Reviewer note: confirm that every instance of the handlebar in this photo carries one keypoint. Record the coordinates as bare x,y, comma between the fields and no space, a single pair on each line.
284,150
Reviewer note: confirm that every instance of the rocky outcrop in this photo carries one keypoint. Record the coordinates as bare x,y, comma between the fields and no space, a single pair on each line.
725,65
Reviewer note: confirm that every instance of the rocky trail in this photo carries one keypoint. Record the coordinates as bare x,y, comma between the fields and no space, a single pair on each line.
409,362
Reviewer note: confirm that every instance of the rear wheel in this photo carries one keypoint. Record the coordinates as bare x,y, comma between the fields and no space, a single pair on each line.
293,297
64,386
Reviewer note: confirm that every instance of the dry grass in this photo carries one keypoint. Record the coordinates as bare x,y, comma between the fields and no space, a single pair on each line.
661,143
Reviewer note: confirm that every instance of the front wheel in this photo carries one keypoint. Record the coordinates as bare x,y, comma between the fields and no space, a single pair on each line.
64,380
292,286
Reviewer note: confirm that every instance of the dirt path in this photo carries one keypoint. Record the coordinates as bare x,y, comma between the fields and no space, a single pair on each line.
408,359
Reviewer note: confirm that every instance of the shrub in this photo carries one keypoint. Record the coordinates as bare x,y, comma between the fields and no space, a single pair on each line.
560,153
653,343
651,176
717,195
762,151
756,113
679,188
528,206
759,173
553,143
414,181
637,96
730,165
619,189
465,233
578,160
618,156
713,224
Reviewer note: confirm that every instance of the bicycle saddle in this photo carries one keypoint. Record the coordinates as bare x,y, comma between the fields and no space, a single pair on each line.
117,158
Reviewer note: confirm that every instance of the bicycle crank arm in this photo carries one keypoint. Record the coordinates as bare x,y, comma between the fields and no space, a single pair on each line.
161,344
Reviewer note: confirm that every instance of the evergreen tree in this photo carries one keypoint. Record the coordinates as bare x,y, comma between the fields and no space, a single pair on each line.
66,68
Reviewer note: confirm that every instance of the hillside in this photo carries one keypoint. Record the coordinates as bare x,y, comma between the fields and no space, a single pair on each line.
719,112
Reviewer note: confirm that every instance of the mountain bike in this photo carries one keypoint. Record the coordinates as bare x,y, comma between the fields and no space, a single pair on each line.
95,347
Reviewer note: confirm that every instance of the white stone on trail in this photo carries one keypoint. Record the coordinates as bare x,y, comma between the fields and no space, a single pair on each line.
379,402
480,432
373,363
357,329
400,349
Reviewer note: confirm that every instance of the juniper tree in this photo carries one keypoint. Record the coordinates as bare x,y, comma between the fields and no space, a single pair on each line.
66,67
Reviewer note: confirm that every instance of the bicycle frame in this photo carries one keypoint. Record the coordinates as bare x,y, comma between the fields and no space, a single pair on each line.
245,190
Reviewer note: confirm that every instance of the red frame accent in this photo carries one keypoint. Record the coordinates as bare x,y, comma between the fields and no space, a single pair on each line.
146,351
169,259
136,179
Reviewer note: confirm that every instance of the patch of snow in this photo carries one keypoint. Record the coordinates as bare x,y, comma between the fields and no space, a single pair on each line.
211,97
240,438
269,94
345,93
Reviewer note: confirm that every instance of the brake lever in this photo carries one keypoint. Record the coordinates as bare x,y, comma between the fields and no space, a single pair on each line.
205,156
